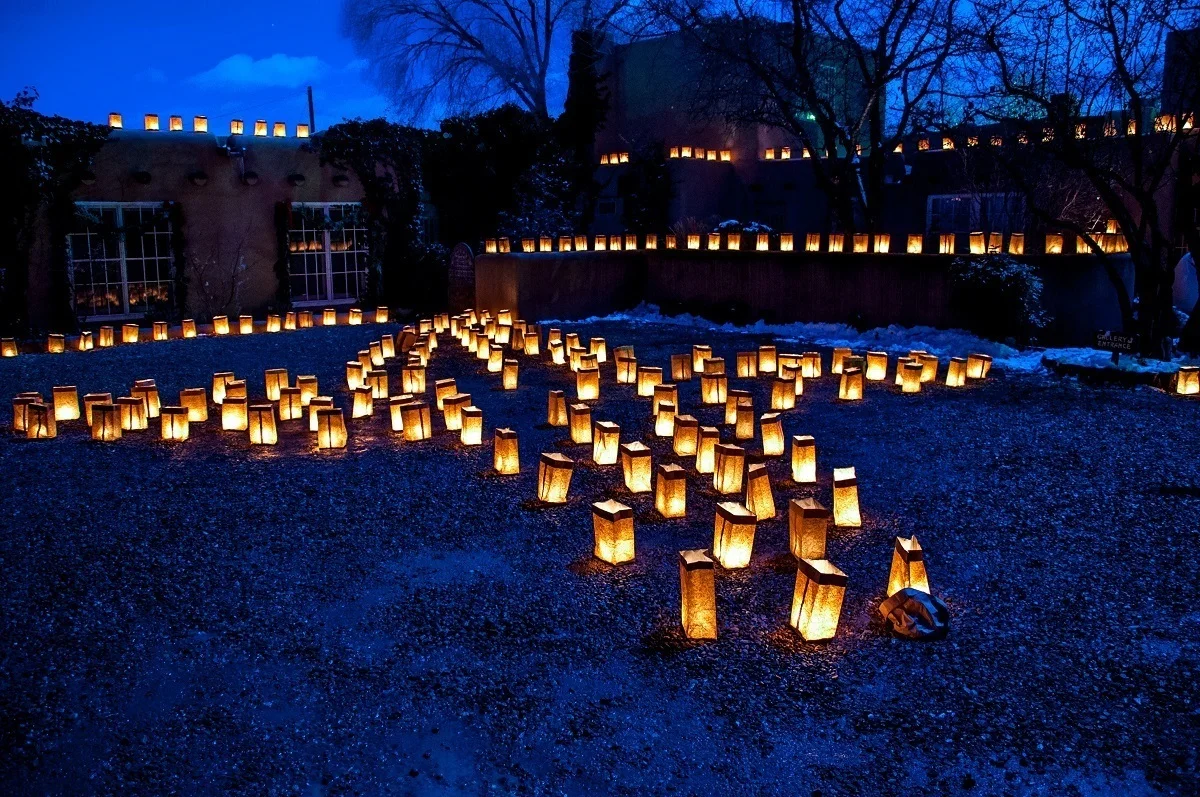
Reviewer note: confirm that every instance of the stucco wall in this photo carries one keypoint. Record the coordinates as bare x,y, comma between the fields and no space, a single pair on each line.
867,290
224,219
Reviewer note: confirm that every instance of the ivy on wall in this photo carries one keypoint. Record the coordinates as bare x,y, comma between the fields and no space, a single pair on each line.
178,254
386,159
316,218
60,219
283,277
132,225
42,160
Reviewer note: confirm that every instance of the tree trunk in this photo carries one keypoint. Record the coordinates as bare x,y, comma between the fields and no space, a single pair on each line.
1156,313
1188,210
1123,302
1189,336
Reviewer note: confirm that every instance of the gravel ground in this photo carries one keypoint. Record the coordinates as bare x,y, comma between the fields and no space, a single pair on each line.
204,617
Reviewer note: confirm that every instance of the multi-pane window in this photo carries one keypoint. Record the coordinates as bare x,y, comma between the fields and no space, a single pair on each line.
121,259
327,252
974,213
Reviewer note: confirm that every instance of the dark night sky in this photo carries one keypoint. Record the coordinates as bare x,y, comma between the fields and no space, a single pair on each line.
223,59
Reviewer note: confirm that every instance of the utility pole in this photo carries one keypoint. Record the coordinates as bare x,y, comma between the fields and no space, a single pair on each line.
312,116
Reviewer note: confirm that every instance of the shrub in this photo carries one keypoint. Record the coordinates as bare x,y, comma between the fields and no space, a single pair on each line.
748,227
689,225
423,279
997,297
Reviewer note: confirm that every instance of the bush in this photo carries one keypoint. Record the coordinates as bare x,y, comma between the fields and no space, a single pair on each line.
544,202
997,297
422,281
748,227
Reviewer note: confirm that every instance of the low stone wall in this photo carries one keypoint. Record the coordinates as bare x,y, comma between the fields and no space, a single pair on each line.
867,290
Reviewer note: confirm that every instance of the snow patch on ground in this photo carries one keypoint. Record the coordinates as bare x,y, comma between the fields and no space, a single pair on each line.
900,340
893,339
1094,358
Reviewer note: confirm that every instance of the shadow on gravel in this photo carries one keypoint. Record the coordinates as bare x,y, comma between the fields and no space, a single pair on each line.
589,566
1186,490
666,642
782,563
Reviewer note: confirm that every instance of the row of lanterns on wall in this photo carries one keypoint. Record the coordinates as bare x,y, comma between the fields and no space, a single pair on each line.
1163,123
700,154
237,127
680,152
614,158
978,243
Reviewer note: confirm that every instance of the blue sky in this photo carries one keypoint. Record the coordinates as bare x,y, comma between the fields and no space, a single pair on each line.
249,60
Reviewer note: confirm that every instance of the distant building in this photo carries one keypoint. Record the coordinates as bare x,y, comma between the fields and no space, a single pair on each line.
1181,72
757,173
176,223
661,100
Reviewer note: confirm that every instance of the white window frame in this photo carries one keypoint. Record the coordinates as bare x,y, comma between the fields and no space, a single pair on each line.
119,208
327,257
976,204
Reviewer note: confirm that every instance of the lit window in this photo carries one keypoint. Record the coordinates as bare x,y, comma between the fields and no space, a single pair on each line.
327,252
121,259
965,213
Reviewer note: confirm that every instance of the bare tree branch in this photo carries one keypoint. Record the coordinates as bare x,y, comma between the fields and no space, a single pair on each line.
448,56
840,75
1073,66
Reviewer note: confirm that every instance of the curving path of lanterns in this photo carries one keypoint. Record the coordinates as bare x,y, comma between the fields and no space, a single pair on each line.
740,478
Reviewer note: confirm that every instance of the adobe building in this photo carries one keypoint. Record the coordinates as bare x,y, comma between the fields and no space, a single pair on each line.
188,223
758,173
939,202
719,170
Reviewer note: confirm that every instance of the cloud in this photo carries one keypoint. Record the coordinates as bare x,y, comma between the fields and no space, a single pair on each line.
357,65
276,71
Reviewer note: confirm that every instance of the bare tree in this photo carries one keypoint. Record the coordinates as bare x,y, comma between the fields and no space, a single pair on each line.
1045,194
462,55
848,78
1084,82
